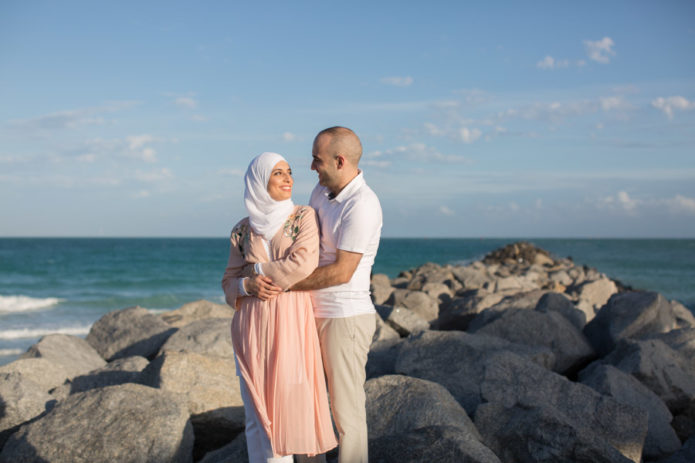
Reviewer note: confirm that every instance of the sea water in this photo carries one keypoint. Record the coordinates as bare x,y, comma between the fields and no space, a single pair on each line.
63,285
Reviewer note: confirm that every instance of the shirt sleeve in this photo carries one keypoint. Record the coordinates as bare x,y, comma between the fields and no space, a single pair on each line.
232,273
361,221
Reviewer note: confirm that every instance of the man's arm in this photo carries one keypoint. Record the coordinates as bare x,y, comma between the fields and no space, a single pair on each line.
337,273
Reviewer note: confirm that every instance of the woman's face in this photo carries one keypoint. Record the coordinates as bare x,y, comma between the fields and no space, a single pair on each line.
280,183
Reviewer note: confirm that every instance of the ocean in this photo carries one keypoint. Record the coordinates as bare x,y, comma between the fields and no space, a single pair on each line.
63,285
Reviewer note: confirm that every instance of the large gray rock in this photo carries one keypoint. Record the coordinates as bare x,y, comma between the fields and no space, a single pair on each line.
597,293
196,310
120,371
128,423
658,367
382,356
542,434
234,452
523,300
511,380
472,276
73,354
383,331
458,314
21,400
682,341
415,301
431,273
210,336
550,330
403,320
631,315
661,439
457,360
443,444
128,332
398,404
438,292
685,455
209,386
557,302
43,372
380,288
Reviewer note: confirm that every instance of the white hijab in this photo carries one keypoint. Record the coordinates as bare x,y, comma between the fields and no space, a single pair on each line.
266,215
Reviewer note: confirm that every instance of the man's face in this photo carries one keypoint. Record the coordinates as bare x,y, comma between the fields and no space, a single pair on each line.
323,162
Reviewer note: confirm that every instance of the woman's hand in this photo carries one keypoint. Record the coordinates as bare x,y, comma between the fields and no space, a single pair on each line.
262,287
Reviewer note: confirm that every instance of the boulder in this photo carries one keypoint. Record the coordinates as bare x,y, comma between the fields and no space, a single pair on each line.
381,359
415,301
559,303
430,273
456,360
380,288
684,317
234,452
397,404
630,315
196,310
402,320
510,380
128,332
21,400
209,386
472,276
681,340
658,367
661,439
383,331
458,314
439,292
543,434
685,455
523,300
515,253
41,371
443,444
120,371
561,277
550,330
130,422
210,336
73,354
597,292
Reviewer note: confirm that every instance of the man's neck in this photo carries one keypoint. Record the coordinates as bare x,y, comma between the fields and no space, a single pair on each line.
336,191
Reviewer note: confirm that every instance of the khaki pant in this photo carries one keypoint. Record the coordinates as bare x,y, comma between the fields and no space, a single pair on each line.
344,346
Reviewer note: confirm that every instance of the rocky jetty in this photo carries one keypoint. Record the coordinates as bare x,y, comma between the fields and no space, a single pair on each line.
519,357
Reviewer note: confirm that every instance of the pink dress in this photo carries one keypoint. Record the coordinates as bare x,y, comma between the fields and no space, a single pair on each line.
276,342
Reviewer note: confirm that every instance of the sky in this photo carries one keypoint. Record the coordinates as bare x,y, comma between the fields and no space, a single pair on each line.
477,119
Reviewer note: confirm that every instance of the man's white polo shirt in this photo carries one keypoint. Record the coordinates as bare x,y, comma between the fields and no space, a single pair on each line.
351,222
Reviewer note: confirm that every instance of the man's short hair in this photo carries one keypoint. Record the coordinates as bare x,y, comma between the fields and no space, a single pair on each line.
344,141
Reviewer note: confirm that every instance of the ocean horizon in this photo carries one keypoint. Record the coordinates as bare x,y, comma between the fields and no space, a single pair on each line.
64,284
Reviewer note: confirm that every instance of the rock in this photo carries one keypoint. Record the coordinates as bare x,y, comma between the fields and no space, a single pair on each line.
404,321
685,455
543,434
210,336
597,292
681,340
456,361
383,331
561,277
443,444
430,273
520,252
400,282
461,311
195,311
559,303
658,367
209,386
472,277
511,380
661,439
544,260
438,292
381,359
234,452
684,317
120,371
684,422
398,404
523,300
41,371
416,301
550,330
130,422
631,315
128,332
21,400
380,288
73,354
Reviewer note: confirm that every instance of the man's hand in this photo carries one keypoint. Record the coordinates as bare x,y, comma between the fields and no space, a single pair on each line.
337,273
262,287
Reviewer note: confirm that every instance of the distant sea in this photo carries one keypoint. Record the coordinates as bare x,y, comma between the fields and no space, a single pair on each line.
63,285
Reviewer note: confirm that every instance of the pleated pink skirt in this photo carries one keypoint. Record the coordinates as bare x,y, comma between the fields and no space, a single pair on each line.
279,357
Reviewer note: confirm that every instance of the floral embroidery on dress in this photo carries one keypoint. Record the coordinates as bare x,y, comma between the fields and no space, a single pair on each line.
291,227
241,233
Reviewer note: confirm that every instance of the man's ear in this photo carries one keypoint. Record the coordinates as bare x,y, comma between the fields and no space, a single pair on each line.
341,161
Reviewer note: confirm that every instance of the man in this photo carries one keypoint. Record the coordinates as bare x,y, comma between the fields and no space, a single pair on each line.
350,220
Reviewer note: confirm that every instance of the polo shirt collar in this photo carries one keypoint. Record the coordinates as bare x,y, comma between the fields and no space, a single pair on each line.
350,189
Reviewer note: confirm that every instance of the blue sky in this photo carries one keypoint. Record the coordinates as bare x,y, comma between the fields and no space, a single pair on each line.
478,119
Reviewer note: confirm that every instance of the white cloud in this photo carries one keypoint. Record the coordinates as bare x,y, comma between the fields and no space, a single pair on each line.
138,141
551,63
186,102
446,211
681,204
469,135
414,152
154,175
600,50
672,103
73,118
289,136
141,194
136,145
199,118
626,202
398,81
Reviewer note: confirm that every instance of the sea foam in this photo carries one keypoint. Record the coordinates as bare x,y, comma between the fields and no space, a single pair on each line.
9,304
30,333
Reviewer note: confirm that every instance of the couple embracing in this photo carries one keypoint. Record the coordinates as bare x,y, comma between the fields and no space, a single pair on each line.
298,277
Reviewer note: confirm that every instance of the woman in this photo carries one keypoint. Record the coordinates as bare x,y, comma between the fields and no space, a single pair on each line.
274,335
